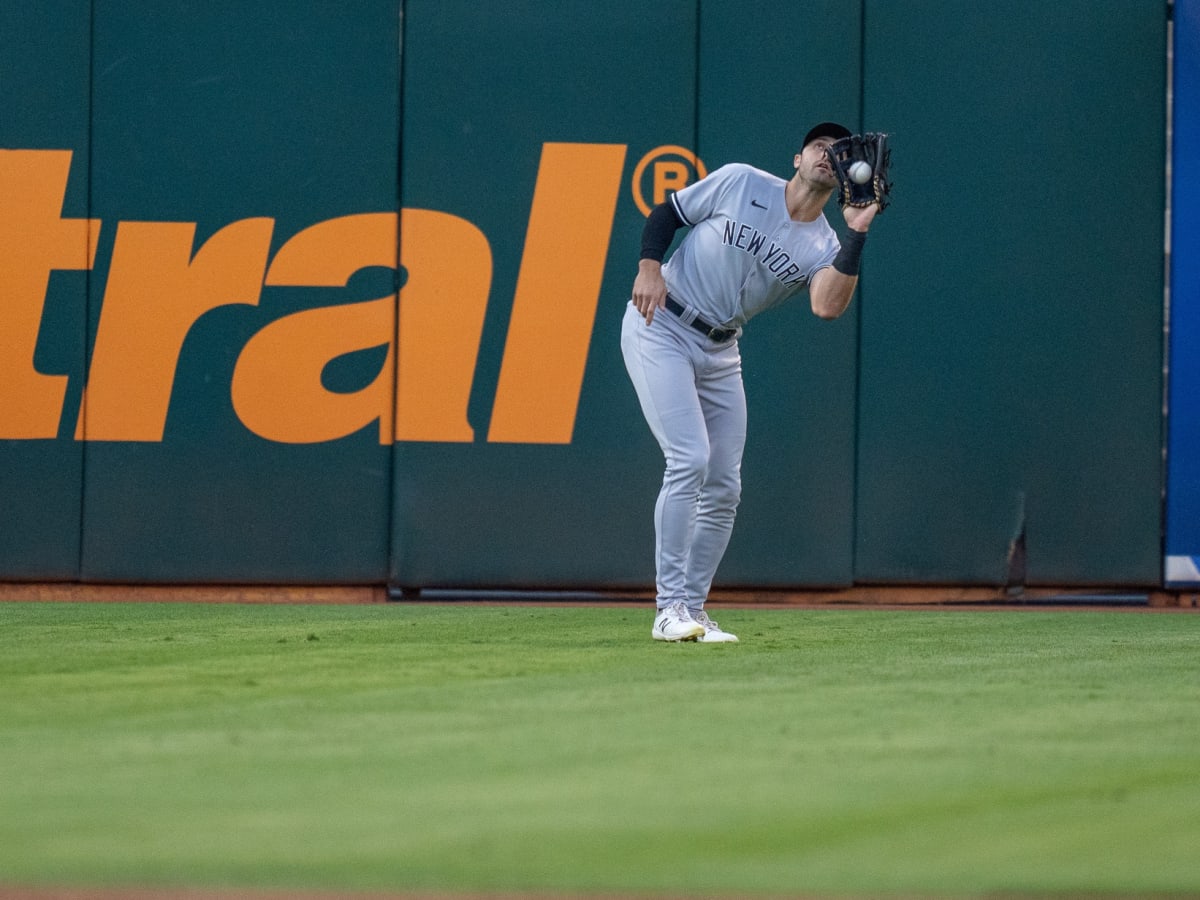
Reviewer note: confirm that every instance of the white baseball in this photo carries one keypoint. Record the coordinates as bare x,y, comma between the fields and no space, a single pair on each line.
860,172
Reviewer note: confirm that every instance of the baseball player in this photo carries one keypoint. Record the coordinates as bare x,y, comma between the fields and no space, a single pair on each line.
755,241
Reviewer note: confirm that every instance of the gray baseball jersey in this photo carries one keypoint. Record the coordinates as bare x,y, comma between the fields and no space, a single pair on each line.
744,253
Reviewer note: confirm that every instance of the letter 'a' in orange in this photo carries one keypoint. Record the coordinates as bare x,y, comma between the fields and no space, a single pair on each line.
558,289
419,394
442,308
277,390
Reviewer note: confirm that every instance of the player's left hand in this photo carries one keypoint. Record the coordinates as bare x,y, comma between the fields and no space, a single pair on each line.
860,217
870,153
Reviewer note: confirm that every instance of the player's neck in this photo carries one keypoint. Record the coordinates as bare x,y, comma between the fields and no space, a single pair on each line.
804,201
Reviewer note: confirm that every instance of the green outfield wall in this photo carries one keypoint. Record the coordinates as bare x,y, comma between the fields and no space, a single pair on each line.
314,293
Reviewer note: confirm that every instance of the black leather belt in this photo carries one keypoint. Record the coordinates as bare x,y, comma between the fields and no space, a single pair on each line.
711,332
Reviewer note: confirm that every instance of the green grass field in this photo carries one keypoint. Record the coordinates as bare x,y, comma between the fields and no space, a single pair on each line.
534,749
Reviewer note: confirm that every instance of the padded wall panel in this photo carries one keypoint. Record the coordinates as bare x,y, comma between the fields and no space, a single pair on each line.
795,524
223,134
44,95
1011,357
527,122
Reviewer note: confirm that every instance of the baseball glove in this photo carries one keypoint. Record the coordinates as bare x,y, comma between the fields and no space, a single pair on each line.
873,186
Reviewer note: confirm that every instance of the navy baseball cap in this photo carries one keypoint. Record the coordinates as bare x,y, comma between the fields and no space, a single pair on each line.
826,129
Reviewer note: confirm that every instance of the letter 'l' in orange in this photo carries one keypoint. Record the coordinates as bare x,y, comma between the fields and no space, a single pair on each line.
34,239
558,289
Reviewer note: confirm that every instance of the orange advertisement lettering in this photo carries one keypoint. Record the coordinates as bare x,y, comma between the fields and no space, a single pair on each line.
156,291
160,282
34,240
559,287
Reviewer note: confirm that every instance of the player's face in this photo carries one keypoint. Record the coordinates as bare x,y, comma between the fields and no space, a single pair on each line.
812,163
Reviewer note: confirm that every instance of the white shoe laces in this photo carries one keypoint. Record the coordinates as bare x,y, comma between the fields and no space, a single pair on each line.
677,611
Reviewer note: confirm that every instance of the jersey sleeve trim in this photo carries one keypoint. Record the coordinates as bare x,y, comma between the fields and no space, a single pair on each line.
679,211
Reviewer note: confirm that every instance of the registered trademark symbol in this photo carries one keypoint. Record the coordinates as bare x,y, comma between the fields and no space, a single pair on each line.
661,171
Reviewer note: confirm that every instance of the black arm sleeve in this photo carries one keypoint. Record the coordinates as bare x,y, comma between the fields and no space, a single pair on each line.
848,258
661,225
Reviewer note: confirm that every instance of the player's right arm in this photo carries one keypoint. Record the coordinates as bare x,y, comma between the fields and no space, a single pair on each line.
650,288
832,287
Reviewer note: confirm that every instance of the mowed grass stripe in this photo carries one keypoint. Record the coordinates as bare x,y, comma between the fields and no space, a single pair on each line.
461,747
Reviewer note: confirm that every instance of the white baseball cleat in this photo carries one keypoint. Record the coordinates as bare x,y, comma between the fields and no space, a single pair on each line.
712,631
675,623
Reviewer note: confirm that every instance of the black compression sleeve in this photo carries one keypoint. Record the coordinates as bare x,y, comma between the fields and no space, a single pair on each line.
849,257
661,225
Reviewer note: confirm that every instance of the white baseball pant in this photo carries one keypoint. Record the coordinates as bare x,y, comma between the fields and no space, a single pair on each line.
691,394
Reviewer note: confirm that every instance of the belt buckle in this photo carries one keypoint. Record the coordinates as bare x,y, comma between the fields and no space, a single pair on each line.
718,334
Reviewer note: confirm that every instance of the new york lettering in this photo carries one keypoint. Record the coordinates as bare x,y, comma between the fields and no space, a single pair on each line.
777,261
